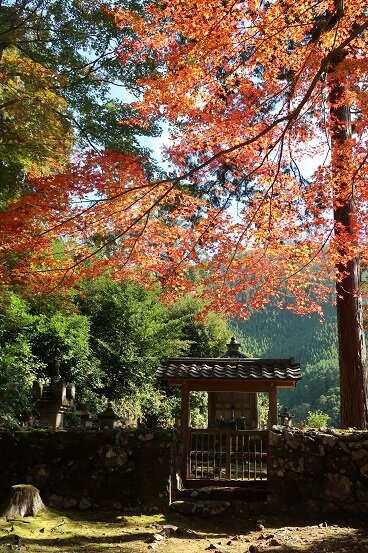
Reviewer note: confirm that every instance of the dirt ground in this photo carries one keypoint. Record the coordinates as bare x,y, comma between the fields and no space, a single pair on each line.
53,531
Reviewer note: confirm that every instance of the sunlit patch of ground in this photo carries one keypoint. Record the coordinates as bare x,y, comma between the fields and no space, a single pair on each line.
52,532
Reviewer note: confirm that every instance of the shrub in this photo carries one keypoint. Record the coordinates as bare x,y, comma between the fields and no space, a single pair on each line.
316,419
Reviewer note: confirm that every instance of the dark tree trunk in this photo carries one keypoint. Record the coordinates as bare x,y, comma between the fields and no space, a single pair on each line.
352,352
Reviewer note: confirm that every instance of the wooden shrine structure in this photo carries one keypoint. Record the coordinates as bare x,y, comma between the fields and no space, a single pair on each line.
233,447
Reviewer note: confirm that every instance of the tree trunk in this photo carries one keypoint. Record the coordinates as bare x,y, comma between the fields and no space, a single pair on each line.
24,500
352,352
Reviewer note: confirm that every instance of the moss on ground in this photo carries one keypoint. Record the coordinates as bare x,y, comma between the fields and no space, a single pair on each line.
75,532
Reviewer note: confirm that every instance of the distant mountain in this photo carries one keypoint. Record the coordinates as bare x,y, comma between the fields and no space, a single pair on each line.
276,333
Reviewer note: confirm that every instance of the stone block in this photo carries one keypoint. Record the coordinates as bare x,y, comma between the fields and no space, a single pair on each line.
328,440
337,487
69,503
313,506
358,507
313,464
293,439
146,437
359,454
183,507
337,460
328,507
275,463
295,465
84,504
55,501
275,439
362,493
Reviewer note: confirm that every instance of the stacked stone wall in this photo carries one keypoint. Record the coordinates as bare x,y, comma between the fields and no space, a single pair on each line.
117,469
309,472
318,471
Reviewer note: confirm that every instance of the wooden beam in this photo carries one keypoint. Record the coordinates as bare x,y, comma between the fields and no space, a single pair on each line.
205,385
272,395
185,424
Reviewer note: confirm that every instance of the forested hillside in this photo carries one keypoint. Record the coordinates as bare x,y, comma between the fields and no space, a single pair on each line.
275,333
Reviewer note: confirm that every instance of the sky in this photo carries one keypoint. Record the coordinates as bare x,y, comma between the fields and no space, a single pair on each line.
156,144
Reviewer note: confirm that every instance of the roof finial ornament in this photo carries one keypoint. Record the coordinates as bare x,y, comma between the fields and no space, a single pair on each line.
233,346
233,350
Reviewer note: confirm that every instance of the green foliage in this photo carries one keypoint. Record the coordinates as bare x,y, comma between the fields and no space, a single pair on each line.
108,338
34,135
79,42
130,332
206,338
18,365
316,419
18,368
64,340
58,85
276,333
31,343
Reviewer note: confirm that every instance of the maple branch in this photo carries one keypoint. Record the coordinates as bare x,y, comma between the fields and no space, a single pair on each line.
140,234
91,67
245,230
221,210
121,210
94,203
289,118
355,174
81,129
285,118
110,241
320,249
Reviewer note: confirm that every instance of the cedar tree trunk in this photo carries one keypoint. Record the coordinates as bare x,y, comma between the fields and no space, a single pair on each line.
352,352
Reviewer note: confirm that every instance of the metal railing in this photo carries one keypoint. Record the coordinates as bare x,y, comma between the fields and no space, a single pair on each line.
224,454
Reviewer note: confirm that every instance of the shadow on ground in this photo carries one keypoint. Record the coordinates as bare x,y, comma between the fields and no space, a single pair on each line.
58,532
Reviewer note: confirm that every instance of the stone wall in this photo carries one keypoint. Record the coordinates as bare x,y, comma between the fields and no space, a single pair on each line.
318,472
134,470
122,469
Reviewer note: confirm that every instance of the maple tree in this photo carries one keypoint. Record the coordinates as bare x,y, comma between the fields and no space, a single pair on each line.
250,92
267,81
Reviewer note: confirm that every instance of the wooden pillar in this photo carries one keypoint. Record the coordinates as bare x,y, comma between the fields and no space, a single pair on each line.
228,455
255,411
185,423
211,409
272,409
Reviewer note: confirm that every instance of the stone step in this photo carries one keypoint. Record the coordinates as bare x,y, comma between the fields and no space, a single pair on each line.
210,508
224,493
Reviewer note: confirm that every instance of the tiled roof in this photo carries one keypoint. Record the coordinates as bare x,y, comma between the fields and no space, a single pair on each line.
229,369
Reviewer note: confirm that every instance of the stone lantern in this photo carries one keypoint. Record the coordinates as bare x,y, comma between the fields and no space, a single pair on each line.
108,418
285,417
88,419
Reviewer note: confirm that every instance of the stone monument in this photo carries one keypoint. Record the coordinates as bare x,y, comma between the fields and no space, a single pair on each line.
53,399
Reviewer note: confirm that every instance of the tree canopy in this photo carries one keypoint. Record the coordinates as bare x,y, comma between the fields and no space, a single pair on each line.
244,89
60,80
250,93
